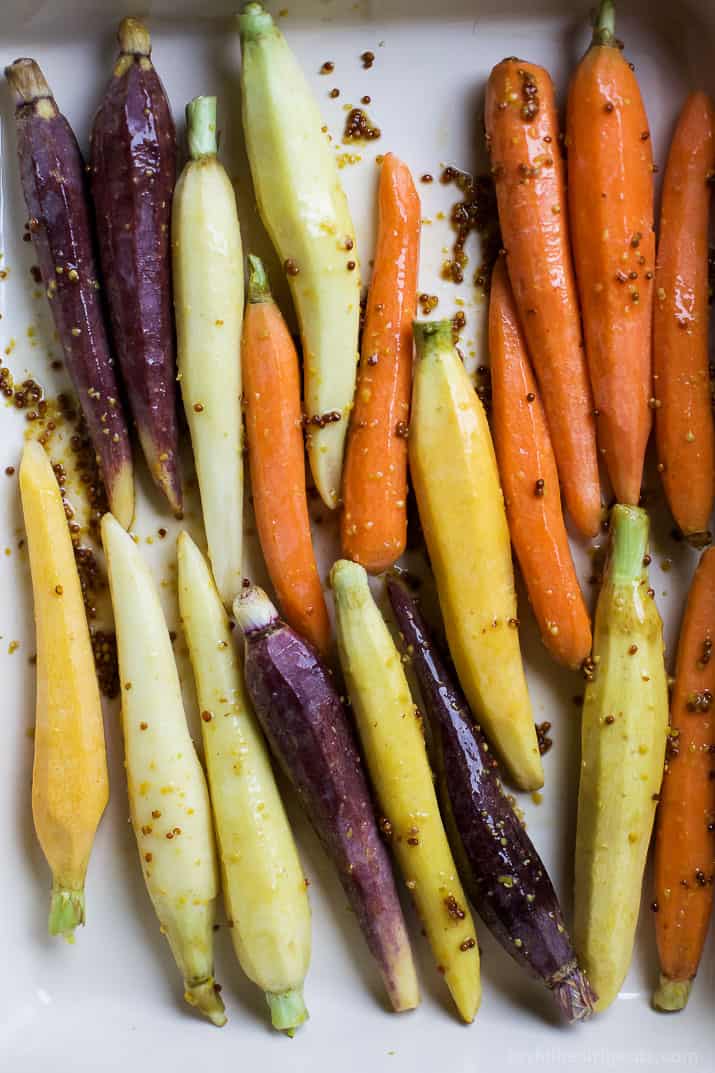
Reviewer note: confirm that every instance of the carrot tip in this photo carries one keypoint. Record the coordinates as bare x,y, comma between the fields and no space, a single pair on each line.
671,995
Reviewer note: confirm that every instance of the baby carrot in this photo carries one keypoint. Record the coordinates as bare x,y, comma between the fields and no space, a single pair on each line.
277,462
530,483
610,189
523,140
685,822
374,520
683,416
69,777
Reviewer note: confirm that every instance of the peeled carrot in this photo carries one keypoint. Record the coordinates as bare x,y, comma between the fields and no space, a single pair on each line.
685,821
523,140
374,520
69,777
529,480
610,170
683,416
277,462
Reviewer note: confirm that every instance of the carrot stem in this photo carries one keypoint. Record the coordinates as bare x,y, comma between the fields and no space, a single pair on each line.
604,31
259,289
201,127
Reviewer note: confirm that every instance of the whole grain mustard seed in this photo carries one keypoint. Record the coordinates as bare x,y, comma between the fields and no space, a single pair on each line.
198,407
59,590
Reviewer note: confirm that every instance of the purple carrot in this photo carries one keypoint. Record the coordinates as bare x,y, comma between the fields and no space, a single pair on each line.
502,872
53,183
133,174
309,732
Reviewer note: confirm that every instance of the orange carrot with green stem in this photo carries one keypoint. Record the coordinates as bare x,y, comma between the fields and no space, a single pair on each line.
683,416
523,140
685,821
277,461
610,187
374,520
529,480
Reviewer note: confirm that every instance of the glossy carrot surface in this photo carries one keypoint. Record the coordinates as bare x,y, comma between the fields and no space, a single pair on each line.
528,169
374,521
610,170
274,428
685,822
529,480
683,416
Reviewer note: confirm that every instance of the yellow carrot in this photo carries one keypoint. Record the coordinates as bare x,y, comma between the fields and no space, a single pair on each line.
69,779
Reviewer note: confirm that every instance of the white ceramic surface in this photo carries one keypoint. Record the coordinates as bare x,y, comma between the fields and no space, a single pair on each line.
112,1001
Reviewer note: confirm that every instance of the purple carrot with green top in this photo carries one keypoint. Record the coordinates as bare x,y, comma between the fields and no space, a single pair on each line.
309,732
502,871
132,177
52,173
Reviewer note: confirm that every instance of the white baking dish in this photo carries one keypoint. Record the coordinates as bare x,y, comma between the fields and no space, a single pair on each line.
112,1001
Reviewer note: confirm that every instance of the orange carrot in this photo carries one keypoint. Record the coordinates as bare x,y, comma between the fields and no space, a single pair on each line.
527,468
277,461
374,521
685,821
683,416
523,140
610,184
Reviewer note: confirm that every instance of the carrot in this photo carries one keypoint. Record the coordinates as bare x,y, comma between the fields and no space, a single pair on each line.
610,171
683,416
523,140
530,483
685,822
374,520
277,463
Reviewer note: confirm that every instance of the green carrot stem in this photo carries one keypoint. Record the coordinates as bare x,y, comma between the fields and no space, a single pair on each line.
254,21
604,31
629,538
429,334
201,127
288,1010
66,911
259,289
671,995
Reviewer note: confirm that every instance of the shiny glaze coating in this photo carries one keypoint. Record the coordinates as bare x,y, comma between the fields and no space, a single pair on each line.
502,871
683,420
309,733
527,469
53,184
528,172
461,507
276,455
685,822
306,214
610,164
132,174
369,532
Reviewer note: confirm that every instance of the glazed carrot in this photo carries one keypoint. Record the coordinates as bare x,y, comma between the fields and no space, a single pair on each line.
683,416
522,136
529,480
277,462
374,520
685,822
610,187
